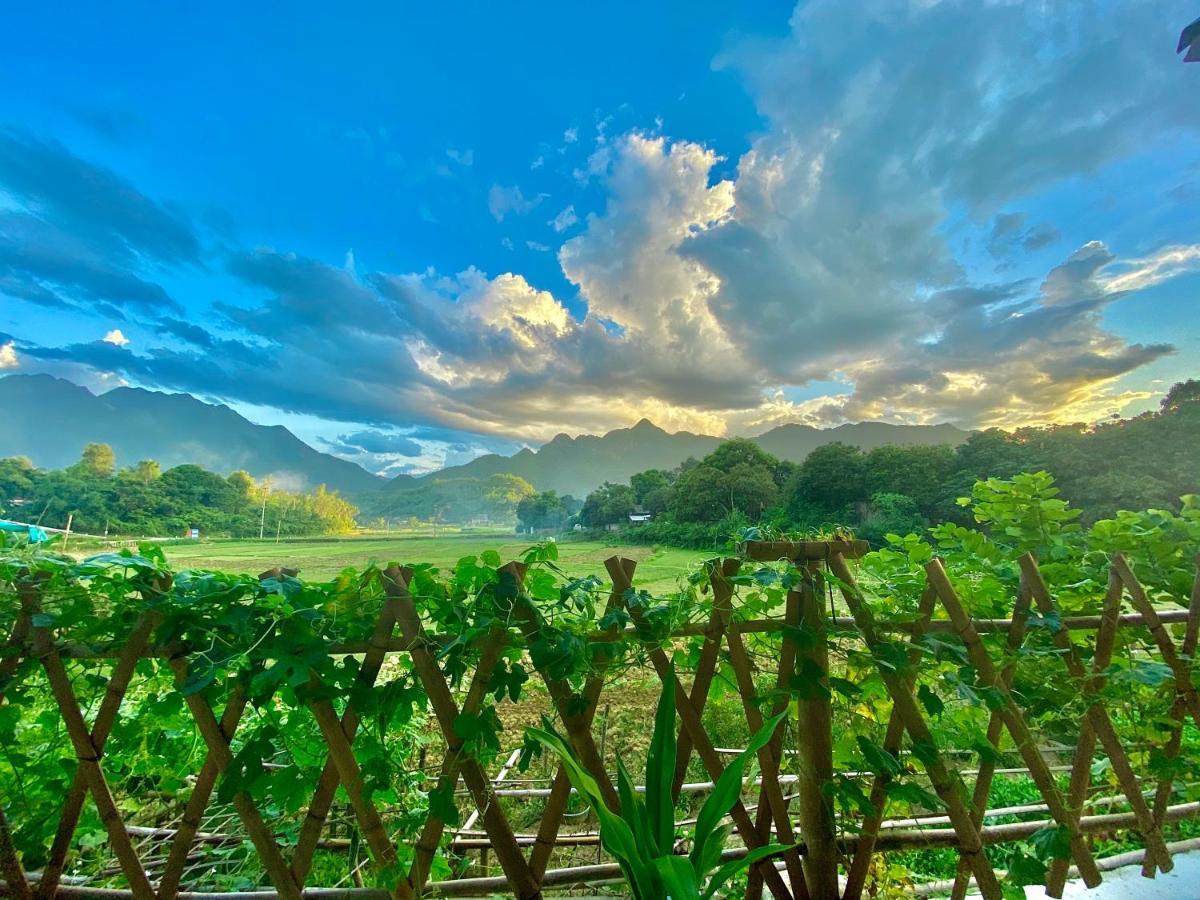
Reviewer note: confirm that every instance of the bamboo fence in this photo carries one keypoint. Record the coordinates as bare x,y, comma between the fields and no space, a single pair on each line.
789,807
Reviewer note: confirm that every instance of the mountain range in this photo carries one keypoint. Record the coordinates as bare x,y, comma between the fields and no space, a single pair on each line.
577,465
50,420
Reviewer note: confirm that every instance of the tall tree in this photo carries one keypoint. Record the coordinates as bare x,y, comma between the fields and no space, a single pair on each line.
98,460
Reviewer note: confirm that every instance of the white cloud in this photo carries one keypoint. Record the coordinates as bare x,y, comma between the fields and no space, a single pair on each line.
462,157
1167,263
565,219
571,135
8,356
116,338
505,200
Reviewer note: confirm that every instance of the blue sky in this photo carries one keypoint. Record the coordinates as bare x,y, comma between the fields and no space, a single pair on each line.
413,234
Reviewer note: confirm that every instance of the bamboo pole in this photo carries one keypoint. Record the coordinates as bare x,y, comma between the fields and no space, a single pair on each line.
1154,621
14,874
706,670
945,781
69,650
1081,764
1101,725
322,801
1191,637
783,684
1013,720
814,720
350,775
193,812
576,721
431,833
88,756
516,869
768,762
860,863
252,820
106,718
704,747
995,730
560,792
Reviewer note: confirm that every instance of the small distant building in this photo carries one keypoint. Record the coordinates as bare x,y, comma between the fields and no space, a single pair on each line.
638,518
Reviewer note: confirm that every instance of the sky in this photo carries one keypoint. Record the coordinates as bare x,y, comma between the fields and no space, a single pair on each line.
414,233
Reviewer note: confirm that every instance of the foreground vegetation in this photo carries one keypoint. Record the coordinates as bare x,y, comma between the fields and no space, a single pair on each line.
272,638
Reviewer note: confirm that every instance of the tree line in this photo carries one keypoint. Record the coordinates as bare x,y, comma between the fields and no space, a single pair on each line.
145,500
1146,462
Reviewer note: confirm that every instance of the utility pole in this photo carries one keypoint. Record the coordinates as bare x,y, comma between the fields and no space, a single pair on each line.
67,532
262,519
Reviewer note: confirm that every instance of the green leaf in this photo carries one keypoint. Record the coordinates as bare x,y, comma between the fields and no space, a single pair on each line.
730,869
728,789
879,760
677,877
1051,842
660,767
932,702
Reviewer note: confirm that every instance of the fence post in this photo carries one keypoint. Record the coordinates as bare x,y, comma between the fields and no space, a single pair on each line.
815,745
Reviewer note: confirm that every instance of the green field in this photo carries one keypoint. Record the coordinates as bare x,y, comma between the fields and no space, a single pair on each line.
658,569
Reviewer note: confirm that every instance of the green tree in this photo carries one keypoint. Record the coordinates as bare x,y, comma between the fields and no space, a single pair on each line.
830,480
98,460
646,483
919,472
16,479
503,492
542,510
700,495
1181,393
609,504
740,452
147,470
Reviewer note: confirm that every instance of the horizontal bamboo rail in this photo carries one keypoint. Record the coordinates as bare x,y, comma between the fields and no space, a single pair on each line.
821,847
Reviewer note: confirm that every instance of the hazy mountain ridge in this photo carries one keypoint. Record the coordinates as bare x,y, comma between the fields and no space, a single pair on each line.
578,465
50,420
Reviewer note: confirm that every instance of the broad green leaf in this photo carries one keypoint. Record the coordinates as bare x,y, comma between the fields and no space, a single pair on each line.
660,768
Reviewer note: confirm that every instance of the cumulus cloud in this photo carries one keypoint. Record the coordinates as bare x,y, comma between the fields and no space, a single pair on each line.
115,337
8,356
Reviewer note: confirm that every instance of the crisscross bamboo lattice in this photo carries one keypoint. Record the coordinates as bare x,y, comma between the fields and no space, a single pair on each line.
823,862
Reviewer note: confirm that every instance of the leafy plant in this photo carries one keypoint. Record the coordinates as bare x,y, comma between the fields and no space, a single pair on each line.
642,837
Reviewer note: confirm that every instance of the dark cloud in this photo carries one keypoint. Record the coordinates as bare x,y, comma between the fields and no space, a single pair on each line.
185,331
41,263
81,235
93,203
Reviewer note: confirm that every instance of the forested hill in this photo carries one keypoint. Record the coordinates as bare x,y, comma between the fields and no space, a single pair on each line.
577,465
50,420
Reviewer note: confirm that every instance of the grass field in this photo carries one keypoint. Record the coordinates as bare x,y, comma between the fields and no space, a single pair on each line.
658,569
